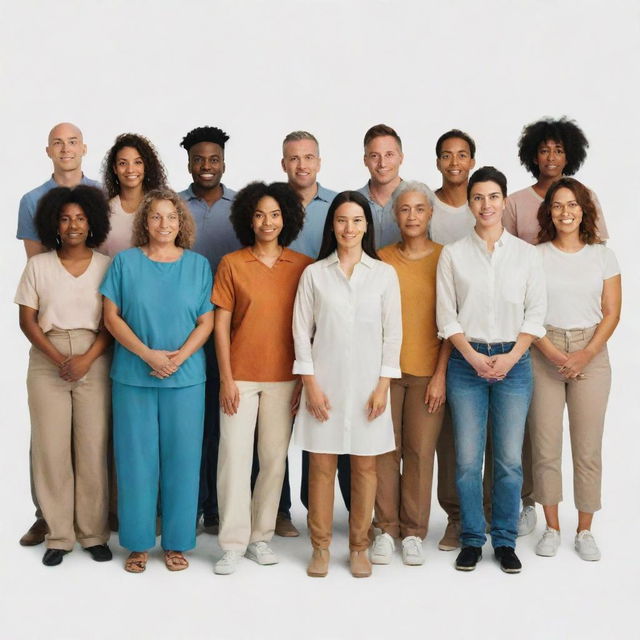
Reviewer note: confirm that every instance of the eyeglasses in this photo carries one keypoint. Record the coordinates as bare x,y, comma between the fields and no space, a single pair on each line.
571,207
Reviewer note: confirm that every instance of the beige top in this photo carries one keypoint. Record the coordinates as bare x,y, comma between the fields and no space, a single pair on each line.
119,237
63,301
521,215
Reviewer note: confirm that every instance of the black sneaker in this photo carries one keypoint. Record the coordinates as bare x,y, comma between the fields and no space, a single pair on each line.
468,558
509,561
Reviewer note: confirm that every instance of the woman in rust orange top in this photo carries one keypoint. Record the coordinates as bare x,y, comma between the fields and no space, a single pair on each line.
254,292
417,399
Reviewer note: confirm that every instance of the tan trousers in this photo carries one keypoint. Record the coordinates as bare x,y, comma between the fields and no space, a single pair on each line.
403,497
69,433
244,517
586,401
322,478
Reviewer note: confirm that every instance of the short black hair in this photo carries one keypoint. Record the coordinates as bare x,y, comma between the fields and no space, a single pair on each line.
92,202
563,131
245,203
488,174
329,243
456,133
204,134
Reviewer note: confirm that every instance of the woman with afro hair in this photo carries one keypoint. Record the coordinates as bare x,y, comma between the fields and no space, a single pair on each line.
548,149
130,169
253,294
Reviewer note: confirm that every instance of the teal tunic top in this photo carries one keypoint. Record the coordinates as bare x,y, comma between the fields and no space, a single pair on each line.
160,301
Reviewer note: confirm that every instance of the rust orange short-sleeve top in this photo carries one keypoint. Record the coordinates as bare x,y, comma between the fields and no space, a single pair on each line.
420,343
260,300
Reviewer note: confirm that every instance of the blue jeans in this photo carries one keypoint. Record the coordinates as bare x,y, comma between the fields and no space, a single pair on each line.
471,398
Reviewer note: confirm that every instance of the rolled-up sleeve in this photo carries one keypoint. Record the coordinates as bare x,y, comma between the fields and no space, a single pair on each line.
391,327
304,325
535,298
446,302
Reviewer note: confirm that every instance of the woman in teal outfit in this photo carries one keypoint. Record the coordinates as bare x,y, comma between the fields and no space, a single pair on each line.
157,306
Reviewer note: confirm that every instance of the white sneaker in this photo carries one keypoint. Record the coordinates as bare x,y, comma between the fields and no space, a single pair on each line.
549,543
228,563
261,553
412,553
586,546
527,521
382,550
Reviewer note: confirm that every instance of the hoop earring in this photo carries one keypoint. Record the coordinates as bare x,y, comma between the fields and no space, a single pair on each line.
58,240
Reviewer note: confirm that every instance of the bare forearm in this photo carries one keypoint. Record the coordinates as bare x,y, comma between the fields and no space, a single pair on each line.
222,341
196,338
443,358
123,333
603,333
39,340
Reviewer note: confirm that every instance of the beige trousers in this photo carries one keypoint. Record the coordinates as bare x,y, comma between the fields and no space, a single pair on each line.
69,434
403,497
586,401
244,517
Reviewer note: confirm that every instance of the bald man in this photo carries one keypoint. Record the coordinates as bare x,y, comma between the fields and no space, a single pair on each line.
66,149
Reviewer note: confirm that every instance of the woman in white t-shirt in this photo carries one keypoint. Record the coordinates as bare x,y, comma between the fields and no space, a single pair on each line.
130,169
68,376
571,363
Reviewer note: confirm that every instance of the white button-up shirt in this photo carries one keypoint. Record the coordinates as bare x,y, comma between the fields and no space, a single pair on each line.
348,334
490,296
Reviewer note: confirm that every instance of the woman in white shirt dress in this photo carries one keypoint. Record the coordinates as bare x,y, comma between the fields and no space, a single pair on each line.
571,363
347,329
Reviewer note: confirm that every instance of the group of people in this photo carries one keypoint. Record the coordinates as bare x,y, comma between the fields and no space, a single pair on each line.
385,326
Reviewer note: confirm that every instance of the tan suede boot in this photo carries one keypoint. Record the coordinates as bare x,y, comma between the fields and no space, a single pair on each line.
360,564
319,563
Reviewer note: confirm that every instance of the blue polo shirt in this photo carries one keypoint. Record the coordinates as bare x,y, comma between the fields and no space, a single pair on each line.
29,204
310,237
215,236
386,227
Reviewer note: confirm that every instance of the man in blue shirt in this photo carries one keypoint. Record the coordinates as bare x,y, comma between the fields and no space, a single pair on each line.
66,149
210,204
383,157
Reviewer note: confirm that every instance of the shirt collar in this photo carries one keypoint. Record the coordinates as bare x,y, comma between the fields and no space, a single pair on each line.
365,260
323,194
192,196
503,240
285,257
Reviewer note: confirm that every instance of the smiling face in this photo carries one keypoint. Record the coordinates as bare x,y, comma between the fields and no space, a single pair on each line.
163,223
73,225
267,220
129,167
413,212
66,147
455,161
383,157
349,225
551,159
566,213
206,164
301,162
487,203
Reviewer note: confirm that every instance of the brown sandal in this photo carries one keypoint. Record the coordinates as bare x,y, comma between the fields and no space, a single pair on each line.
136,562
175,561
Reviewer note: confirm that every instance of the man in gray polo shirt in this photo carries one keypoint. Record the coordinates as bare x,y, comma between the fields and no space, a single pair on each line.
210,204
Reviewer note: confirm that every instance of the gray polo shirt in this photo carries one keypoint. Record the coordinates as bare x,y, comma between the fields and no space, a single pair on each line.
386,228
310,237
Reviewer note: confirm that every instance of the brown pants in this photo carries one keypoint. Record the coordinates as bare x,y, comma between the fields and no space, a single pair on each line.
322,478
403,498
586,401
69,432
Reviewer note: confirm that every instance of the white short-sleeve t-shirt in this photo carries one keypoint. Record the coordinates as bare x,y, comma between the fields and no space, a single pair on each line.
449,224
575,282
63,301
119,237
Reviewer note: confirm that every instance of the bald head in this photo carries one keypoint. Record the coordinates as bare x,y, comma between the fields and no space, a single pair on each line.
66,148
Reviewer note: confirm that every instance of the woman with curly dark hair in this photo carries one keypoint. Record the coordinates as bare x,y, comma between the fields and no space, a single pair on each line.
68,376
253,293
130,169
156,306
548,149
571,363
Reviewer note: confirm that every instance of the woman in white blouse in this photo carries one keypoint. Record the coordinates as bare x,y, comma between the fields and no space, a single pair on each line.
571,363
68,377
490,305
347,330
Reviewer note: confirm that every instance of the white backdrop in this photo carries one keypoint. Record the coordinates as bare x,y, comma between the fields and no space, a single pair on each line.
258,70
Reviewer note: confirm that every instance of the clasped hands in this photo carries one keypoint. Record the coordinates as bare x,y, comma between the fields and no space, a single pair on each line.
495,367
163,363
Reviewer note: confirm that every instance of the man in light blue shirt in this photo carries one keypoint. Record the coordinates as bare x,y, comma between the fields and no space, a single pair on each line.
383,157
66,149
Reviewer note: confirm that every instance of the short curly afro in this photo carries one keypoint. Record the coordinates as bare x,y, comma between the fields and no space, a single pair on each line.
562,131
92,202
204,134
246,201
